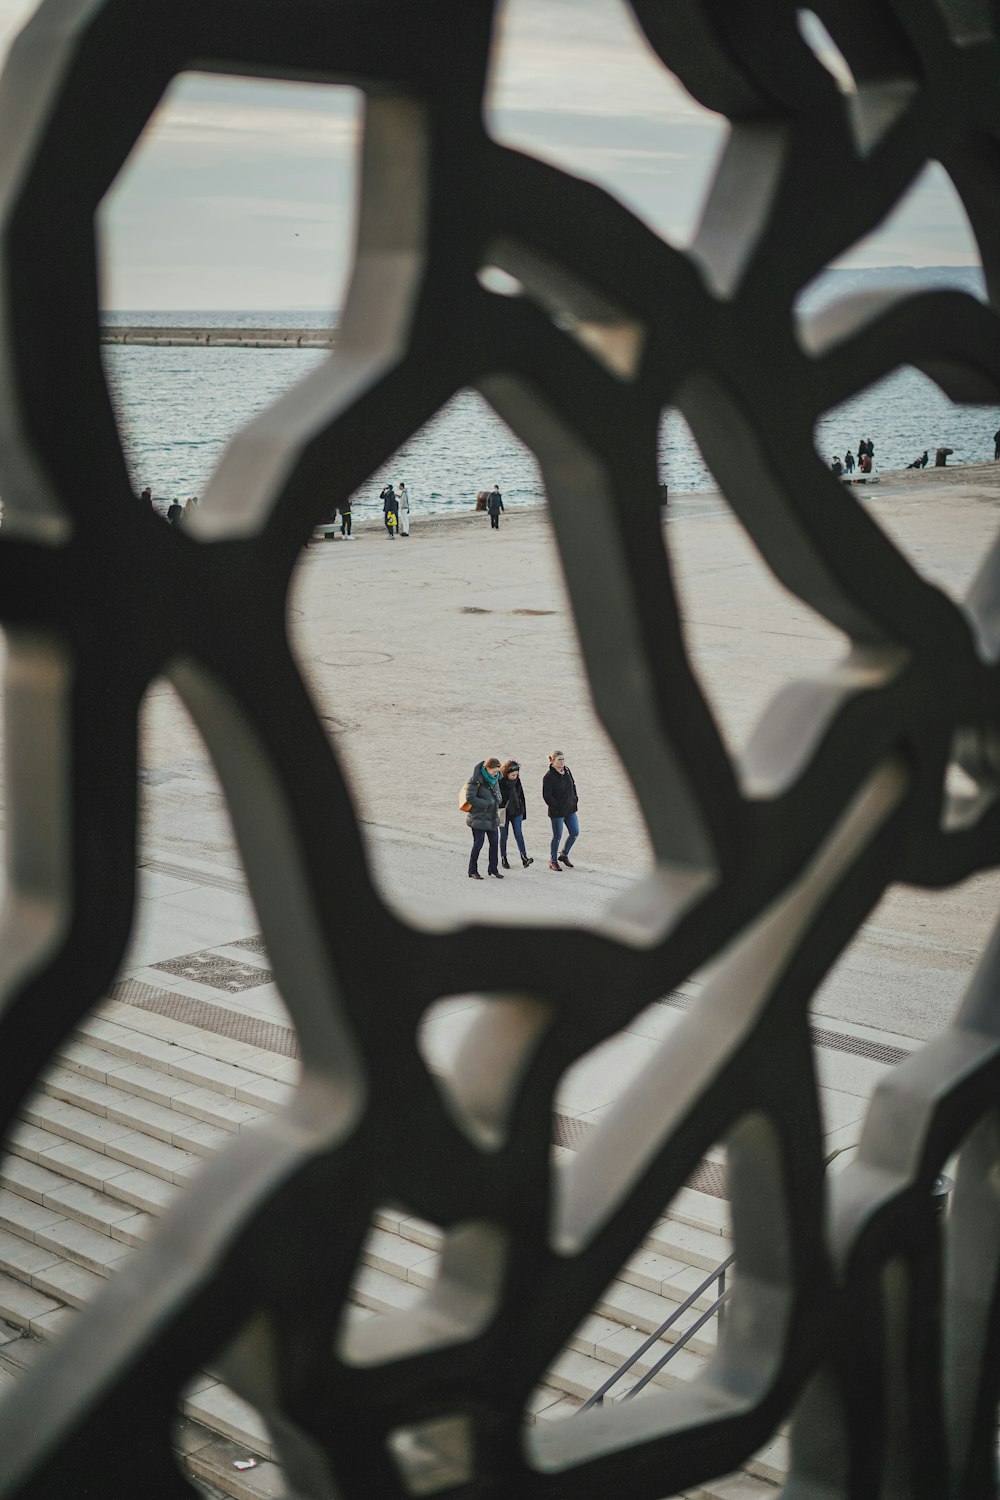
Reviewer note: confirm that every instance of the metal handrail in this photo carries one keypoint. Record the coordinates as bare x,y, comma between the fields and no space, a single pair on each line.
719,1275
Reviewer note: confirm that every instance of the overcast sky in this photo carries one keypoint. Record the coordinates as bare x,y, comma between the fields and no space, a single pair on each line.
240,195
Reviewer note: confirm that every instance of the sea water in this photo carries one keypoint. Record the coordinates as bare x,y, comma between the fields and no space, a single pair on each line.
177,408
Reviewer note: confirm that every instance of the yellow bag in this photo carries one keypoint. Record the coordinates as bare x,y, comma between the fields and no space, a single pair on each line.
464,805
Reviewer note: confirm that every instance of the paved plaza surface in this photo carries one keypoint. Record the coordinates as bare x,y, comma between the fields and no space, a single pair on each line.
425,655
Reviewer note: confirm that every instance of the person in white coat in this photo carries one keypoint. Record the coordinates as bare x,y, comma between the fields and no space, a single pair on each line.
403,509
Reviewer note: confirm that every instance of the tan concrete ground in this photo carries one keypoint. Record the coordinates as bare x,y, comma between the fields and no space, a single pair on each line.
426,654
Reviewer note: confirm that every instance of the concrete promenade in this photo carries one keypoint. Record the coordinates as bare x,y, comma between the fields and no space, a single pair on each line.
220,338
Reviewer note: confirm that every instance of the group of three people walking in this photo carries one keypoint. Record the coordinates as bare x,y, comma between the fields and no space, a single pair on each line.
495,804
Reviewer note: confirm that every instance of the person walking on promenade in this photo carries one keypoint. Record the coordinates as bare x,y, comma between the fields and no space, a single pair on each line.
866,462
495,505
174,512
389,511
836,467
190,506
345,519
996,446
147,495
559,793
403,508
848,462
515,810
482,792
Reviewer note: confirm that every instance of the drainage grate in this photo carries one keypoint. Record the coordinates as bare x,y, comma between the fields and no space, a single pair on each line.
710,1177
839,1041
218,973
569,1132
218,1019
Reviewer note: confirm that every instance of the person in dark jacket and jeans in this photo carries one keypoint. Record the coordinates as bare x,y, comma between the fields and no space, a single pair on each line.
483,791
494,505
559,792
516,810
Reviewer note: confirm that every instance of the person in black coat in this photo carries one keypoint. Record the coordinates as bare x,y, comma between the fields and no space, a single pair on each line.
559,792
494,505
389,503
515,807
483,792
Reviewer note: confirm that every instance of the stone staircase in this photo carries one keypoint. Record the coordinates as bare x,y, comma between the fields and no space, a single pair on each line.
116,1129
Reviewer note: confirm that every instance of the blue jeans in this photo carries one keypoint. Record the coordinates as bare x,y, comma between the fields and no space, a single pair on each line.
514,823
572,825
478,835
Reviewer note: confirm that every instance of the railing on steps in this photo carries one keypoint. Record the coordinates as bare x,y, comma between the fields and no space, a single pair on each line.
716,1308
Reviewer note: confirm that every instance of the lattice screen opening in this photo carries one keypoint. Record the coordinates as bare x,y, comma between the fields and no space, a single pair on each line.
420,1287
748,636
610,113
434,1456
918,417
901,251
265,223
456,1033
672,1278
903,972
410,712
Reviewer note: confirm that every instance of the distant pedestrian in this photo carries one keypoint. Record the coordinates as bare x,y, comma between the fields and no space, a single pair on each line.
862,450
871,449
494,505
836,467
147,495
560,797
923,459
848,462
190,506
174,512
482,792
866,463
403,508
996,445
515,810
389,511
345,519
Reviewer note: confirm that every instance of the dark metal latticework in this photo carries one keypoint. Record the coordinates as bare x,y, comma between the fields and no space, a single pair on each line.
854,1315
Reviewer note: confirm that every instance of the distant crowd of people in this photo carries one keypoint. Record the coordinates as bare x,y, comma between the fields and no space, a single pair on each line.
495,804
176,513
864,463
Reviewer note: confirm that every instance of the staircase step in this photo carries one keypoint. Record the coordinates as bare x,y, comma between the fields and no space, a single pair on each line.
104,1069
121,1142
138,1112
216,1406
20,1304
187,1060
67,1162
382,1293
688,1243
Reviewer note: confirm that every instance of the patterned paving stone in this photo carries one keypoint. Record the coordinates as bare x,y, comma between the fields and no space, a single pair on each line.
219,973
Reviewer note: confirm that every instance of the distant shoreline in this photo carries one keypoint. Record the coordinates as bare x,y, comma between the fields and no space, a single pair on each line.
978,475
